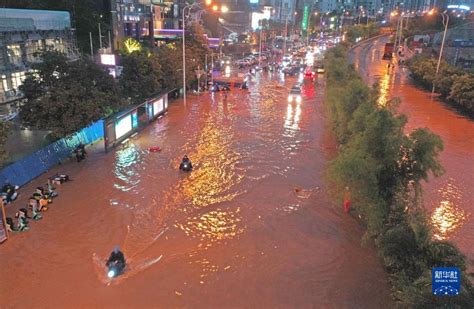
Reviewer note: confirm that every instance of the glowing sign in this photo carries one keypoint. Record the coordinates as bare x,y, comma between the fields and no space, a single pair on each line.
304,22
257,17
158,106
107,59
460,7
253,1
123,126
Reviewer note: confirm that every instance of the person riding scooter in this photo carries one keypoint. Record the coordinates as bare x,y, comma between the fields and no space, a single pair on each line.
186,164
116,262
80,152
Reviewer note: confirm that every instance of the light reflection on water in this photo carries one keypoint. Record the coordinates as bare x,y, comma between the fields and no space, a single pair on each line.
384,93
292,119
213,226
215,174
125,167
448,217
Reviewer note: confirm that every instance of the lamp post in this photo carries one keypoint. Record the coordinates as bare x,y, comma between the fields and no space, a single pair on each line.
286,32
399,32
184,49
445,23
260,49
396,32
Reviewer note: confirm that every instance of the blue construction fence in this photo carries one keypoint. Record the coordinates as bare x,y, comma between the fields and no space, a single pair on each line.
32,166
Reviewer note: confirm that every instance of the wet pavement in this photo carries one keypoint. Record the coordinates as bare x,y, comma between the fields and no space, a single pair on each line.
449,199
251,226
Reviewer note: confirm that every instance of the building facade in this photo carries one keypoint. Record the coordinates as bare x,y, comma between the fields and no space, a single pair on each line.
281,10
25,33
145,19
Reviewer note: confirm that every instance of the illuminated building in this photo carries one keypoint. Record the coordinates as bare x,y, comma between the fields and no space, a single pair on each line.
24,33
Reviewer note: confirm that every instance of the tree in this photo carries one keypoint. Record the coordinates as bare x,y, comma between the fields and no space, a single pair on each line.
384,168
445,78
70,99
196,49
211,23
423,70
141,76
4,131
53,66
170,59
462,91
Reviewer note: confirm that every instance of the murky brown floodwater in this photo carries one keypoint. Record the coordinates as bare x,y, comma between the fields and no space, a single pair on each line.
233,233
449,198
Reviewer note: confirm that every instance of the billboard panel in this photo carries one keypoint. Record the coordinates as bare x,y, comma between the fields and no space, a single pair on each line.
107,59
123,126
304,22
158,107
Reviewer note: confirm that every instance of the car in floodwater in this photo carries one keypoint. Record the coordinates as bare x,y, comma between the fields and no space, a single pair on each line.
319,67
295,94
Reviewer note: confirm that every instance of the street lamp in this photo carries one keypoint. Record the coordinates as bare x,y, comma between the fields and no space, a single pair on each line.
445,23
398,33
286,32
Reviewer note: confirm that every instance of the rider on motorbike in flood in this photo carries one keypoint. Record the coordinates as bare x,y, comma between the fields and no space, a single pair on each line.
186,164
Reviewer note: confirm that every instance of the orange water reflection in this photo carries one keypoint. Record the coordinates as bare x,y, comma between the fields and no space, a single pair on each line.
293,115
448,217
215,176
213,226
211,183
384,93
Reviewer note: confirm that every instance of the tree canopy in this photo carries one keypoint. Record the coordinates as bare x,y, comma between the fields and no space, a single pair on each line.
455,85
64,97
4,131
170,58
141,76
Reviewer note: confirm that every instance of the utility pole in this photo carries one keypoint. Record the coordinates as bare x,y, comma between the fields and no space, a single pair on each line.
100,37
92,48
212,68
445,22
260,50
286,33
207,72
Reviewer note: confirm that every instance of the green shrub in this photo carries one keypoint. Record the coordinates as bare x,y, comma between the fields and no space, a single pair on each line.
452,83
384,167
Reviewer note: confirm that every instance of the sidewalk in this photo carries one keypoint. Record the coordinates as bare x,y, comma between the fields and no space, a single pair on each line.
70,168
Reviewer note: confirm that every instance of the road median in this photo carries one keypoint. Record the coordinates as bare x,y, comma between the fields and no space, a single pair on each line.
383,168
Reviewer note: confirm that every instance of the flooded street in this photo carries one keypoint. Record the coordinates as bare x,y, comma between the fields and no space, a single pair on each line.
449,199
250,226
